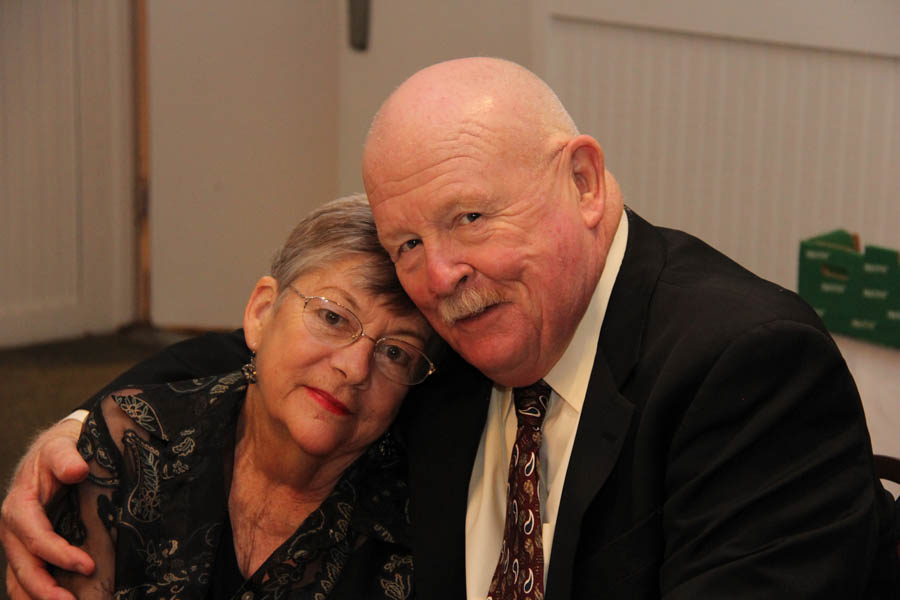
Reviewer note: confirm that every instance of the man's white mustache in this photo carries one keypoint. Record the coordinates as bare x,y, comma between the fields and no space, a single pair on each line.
468,302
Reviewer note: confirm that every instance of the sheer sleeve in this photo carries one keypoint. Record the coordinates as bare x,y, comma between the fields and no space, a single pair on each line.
87,514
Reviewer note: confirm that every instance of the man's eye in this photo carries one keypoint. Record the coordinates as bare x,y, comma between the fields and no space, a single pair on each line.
470,217
409,245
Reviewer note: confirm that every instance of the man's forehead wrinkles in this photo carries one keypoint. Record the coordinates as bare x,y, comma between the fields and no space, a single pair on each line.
478,133
434,175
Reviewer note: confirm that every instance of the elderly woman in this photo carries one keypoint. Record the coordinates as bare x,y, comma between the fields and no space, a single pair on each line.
280,480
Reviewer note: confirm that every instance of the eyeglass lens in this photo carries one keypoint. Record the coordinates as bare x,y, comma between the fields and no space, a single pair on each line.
398,360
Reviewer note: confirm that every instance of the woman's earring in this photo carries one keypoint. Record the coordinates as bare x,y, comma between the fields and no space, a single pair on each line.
249,370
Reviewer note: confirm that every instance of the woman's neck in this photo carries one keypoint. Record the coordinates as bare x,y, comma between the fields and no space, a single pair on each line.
267,444
274,485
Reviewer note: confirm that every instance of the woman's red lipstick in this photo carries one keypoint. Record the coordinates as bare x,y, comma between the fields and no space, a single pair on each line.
328,402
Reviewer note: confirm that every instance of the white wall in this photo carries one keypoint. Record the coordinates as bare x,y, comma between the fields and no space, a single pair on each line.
751,137
258,112
243,117
407,35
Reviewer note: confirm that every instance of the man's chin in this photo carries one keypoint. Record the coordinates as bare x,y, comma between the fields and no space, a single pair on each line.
502,361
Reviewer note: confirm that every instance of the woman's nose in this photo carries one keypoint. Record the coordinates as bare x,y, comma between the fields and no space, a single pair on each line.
355,359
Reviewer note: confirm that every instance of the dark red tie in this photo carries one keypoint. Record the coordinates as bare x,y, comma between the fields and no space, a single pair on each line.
520,571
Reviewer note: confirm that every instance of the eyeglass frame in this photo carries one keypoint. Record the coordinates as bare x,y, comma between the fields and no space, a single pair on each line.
432,368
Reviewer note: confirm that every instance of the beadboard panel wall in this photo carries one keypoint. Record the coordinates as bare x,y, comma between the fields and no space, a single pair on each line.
66,257
39,180
750,145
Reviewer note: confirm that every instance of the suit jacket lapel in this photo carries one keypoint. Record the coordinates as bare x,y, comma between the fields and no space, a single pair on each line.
602,429
626,314
607,414
443,440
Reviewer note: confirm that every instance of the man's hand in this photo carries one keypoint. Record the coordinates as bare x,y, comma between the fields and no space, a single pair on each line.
25,531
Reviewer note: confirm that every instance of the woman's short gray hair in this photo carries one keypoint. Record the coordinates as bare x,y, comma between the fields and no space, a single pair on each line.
338,230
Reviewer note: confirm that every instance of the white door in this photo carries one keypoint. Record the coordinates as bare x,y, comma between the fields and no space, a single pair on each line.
66,232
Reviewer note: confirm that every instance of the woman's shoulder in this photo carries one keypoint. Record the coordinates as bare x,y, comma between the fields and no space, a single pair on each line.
160,409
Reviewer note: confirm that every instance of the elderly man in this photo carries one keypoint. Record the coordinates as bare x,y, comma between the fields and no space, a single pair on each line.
698,433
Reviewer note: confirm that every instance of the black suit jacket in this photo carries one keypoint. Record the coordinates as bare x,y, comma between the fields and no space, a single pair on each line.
721,452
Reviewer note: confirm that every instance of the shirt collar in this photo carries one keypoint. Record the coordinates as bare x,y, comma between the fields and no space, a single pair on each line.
570,376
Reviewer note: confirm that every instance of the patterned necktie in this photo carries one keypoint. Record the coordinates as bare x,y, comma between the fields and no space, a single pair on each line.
520,571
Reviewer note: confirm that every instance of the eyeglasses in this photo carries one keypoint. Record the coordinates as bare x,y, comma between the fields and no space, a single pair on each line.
336,325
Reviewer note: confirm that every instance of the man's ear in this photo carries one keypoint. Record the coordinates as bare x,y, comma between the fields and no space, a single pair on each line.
588,176
259,310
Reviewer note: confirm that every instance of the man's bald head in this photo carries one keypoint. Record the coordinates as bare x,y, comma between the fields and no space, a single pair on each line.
450,98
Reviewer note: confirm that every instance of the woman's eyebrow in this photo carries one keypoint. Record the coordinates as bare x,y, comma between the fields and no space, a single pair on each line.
408,333
342,296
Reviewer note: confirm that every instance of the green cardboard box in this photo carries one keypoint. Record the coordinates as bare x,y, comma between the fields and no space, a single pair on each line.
829,274
855,293
880,293
880,282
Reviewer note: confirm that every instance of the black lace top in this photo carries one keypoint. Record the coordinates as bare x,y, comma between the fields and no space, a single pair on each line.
153,511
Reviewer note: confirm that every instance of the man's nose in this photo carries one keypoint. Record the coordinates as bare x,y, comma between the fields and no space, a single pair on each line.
446,270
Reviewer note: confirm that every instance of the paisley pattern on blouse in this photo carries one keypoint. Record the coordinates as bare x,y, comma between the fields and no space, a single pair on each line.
140,411
163,499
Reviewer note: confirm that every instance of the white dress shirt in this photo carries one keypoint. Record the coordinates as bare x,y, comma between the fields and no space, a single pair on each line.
486,512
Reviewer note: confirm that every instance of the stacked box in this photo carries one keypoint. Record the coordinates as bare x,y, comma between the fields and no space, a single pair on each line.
855,293
880,293
830,265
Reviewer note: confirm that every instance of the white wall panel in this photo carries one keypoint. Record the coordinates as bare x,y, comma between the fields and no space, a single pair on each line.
749,145
65,169
38,168
866,26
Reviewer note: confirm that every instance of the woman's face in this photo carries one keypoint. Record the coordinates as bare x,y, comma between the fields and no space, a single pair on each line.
330,401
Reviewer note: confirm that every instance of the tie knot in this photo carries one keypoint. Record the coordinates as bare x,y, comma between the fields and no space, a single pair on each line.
531,403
